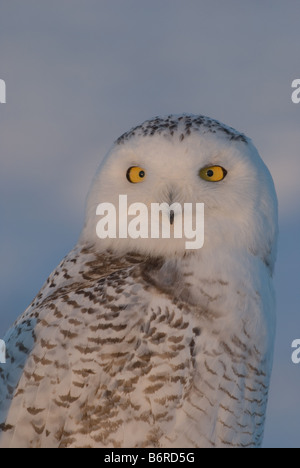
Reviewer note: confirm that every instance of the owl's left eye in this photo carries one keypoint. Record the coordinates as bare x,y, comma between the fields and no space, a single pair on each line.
135,174
213,173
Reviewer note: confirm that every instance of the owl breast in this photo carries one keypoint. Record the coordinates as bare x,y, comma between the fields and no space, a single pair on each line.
143,356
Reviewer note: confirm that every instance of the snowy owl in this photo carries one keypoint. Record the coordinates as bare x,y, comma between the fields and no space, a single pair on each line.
140,342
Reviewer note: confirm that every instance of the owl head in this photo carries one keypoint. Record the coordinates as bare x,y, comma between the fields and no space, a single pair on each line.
177,161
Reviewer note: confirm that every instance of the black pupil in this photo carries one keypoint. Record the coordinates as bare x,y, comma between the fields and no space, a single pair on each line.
210,173
142,174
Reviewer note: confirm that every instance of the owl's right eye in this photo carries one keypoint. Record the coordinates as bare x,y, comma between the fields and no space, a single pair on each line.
213,173
135,174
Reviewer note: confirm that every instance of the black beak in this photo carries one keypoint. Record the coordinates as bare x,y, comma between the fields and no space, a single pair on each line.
172,215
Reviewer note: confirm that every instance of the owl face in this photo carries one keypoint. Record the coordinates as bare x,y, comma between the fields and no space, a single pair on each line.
226,174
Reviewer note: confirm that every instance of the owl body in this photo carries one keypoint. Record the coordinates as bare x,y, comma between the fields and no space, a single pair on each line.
135,343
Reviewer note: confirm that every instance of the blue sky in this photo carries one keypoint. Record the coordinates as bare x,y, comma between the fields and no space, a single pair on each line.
79,74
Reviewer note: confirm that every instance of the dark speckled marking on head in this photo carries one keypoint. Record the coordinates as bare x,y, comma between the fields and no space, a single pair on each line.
182,126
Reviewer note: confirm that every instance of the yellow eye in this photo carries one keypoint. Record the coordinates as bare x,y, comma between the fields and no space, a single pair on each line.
135,174
213,173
